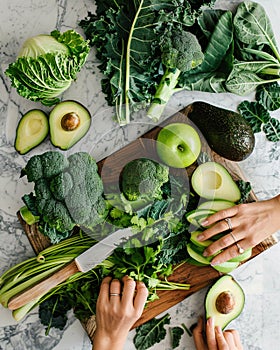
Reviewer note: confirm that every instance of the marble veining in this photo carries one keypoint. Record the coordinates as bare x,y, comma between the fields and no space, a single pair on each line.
259,324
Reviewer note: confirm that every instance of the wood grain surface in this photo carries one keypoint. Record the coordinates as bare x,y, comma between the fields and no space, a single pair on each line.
110,169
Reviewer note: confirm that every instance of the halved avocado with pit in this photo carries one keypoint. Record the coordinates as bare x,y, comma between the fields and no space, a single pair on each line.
69,122
224,301
32,129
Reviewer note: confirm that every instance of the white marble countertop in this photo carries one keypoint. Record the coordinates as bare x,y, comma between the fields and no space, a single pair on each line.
259,323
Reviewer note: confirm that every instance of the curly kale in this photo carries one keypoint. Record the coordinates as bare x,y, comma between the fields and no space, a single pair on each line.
143,178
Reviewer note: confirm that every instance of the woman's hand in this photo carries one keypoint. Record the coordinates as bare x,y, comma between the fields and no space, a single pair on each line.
251,223
119,306
214,338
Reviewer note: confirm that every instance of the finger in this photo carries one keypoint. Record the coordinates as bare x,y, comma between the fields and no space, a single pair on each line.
228,254
224,242
236,337
140,297
104,289
229,339
128,290
220,226
115,290
220,215
220,339
198,335
210,334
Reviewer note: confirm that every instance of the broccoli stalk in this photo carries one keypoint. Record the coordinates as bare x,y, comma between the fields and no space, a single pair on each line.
181,52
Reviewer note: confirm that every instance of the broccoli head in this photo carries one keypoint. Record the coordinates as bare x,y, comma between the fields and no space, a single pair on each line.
180,53
44,165
143,178
60,185
68,191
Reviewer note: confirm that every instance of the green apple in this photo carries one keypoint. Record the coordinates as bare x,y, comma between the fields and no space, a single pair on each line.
178,145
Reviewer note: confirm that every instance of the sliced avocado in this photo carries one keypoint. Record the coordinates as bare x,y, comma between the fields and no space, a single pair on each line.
227,132
227,266
201,244
224,301
244,256
69,122
196,217
211,180
197,255
32,129
216,205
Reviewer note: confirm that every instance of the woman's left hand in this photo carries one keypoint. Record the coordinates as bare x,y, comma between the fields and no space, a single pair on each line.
247,225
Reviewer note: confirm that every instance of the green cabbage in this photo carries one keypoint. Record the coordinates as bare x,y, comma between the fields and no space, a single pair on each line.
47,64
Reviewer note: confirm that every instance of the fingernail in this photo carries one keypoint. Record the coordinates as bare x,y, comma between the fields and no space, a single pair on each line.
214,263
205,253
200,237
218,329
205,223
210,321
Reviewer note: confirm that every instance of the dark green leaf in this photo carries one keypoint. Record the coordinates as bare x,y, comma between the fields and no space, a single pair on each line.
176,335
254,113
151,332
272,130
245,189
269,96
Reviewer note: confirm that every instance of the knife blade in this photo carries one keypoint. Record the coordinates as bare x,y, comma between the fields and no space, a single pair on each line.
83,263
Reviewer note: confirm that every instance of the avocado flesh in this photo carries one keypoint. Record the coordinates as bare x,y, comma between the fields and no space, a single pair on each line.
59,136
224,284
216,205
227,132
211,180
32,129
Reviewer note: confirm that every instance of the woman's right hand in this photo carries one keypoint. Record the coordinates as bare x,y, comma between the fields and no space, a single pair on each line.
214,338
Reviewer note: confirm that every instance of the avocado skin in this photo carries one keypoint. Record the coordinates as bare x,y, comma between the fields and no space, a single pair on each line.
227,132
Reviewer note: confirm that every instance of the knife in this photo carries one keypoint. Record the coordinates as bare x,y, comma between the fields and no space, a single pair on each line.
83,263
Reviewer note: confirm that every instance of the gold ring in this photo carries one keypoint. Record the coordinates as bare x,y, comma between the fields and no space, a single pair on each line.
228,221
114,294
240,249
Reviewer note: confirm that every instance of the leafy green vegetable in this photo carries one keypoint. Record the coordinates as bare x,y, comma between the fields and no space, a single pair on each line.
269,96
151,332
47,65
176,335
245,189
126,37
260,119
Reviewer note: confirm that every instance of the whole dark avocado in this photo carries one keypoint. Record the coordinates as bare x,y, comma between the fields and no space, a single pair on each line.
227,132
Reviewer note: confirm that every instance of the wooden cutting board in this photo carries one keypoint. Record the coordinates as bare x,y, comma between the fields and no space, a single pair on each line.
109,169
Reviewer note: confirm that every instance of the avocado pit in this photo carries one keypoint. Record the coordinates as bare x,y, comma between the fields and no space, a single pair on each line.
70,121
225,302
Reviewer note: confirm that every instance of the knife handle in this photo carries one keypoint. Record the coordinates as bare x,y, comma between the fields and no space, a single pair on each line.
42,287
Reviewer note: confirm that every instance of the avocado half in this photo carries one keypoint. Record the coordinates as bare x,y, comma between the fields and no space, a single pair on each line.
32,129
224,301
69,121
227,132
211,180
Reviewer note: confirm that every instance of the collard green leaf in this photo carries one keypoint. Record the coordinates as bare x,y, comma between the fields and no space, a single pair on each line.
272,130
269,96
242,82
254,113
151,332
252,26
176,335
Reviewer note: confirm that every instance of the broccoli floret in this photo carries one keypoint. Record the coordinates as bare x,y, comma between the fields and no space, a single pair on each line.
143,178
79,163
33,169
53,163
78,204
181,52
56,215
60,185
